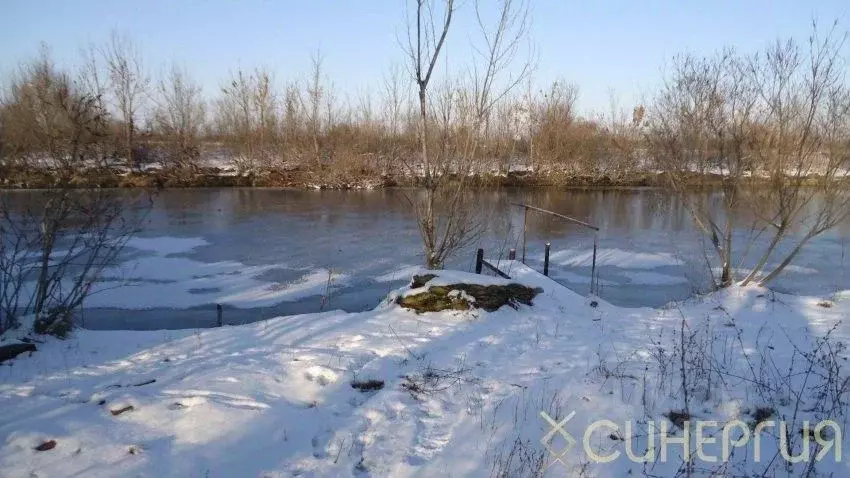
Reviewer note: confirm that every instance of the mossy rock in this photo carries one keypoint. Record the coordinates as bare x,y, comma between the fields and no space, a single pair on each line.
421,280
487,297
58,322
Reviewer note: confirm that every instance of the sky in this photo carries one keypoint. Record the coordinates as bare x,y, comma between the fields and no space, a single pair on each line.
609,48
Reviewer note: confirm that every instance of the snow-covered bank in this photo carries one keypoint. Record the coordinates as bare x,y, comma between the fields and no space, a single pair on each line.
462,391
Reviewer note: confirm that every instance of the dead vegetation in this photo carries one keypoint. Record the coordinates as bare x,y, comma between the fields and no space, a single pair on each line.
369,385
700,366
466,296
429,379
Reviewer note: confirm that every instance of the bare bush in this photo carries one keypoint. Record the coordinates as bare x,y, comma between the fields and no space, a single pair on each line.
52,252
248,118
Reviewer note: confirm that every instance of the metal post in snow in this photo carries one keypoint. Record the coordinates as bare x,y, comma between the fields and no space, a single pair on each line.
593,267
479,261
524,230
512,254
219,313
546,260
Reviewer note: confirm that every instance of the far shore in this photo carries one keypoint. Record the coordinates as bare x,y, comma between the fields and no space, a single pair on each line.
300,179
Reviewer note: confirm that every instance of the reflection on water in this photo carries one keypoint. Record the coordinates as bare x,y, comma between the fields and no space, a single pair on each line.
649,252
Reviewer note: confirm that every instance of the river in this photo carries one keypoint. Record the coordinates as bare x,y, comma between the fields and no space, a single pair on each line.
268,252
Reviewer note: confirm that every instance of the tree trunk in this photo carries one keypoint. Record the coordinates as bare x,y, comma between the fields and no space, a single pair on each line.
423,135
129,145
428,220
726,274
754,272
775,272
429,233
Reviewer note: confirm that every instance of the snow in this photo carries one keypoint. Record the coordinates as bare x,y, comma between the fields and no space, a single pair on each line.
399,272
274,399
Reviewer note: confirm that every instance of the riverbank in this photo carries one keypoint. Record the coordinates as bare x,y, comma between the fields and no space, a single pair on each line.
389,392
303,179
306,179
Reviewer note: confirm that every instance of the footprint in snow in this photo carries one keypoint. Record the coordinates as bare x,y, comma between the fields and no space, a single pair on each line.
187,402
323,376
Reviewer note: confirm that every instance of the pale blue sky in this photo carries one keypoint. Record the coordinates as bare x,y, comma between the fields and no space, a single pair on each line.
599,45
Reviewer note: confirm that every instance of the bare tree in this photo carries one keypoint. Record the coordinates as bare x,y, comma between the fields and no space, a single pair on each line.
552,126
805,118
292,117
621,140
129,85
93,79
701,123
424,46
396,100
445,220
235,119
179,117
771,130
315,95
265,104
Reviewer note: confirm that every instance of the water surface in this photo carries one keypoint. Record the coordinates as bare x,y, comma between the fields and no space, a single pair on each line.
269,252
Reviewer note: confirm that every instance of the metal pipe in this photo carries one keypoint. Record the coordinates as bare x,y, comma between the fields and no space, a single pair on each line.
527,207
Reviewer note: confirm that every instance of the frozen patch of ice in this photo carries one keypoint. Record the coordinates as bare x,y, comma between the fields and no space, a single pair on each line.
614,257
316,282
180,283
653,278
800,269
573,278
160,280
166,245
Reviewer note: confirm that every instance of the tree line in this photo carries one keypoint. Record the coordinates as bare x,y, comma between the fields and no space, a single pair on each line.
110,116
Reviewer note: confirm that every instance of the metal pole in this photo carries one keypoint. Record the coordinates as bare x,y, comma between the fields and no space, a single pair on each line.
524,230
479,261
567,218
512,254
219,314
593,267
546,260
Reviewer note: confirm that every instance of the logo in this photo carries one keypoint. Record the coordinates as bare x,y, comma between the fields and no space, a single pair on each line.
826,434
557,428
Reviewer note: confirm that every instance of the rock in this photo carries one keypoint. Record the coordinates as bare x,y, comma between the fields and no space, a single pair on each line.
419,281
48,445
128,408
370,385
13,350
